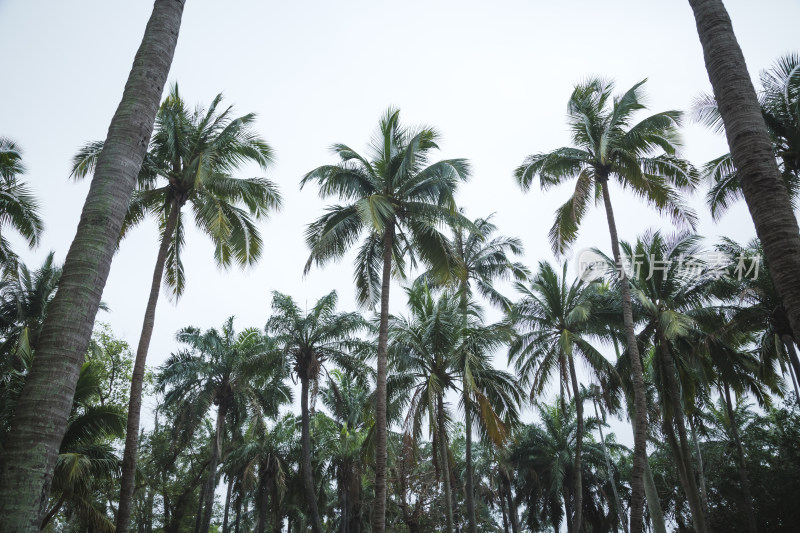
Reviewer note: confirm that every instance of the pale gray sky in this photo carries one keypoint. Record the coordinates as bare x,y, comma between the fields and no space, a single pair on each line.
494,77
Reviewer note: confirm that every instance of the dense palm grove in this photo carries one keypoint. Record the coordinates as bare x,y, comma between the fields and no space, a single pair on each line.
489,403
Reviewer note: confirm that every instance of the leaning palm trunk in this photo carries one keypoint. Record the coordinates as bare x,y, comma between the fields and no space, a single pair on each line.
128,476
216,450
788,343
381,429
620,514
743,477
308,480
653,503
578,482
445,465
685,455
639,401
751,151
700,468
41,414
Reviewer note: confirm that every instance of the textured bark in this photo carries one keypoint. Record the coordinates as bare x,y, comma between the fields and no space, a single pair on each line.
685,456
653,503
743,476
752,151
620,513
441,440
701,475
44,405
639,401
228,493
469,488
216,449
512,507
503,507
128,477
578,478
308,480
381,429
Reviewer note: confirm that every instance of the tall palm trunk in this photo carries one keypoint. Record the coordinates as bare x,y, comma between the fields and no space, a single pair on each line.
128,477
639,400
620,514
701,475
469,488
751,151
381,429
512,506
42,410
578,478
263,504
445,465
502,506
685,455
653,503
788,343
308,480
228,494
216,449
743,477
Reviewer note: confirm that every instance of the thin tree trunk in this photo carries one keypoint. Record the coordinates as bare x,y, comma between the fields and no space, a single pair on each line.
653,503
308,480
227,505
216,448
470,489
381,429
238,513
743,477
128,477
788,342
54,511
502,506
568,512
198,519
700,469
639,400
620,513
512,507
752,151
445,465
578,478
263,506
42,410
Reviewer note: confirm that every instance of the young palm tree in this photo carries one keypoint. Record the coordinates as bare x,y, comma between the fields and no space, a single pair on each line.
43,409
311,340
398,199
751,151
228,370
18,207
607,146
195,154
556,321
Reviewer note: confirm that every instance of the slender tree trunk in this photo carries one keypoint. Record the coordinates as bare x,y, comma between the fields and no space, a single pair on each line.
685,456
700,469
470,489
216,448
227,505
743,477
128,477
445,460
343,507
568,511
308,480
751,151
620,512
578,479
653,503
639,399
502,506
381,428
198,519
263,505
788,342
512,507
238,513
42,410
54,511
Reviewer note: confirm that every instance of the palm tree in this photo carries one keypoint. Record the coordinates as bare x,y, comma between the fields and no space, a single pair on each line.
43,409
18,207
780,107
195,153
556,321
311,340
228,370
751,151
607,145
398,199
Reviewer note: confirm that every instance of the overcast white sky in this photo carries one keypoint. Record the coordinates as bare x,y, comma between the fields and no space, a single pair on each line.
494,77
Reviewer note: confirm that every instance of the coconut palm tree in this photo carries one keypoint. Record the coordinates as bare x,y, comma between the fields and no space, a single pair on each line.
752,151
311,340
398,198
227,370
642,158
19,209
555,323
194,154
43,409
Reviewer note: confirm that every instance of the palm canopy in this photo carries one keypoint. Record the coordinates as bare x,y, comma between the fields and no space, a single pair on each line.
556,321
192,157
19,209
607,143
394,189
780,107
